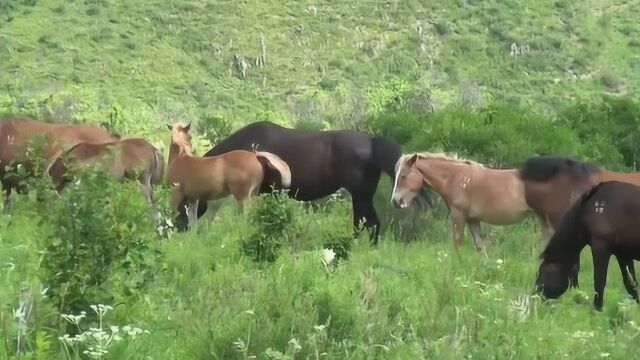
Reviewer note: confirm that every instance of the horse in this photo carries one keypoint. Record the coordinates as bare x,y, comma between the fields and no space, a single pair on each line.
199,179
321,162
553,183
131,158
605,218
18,132
472,192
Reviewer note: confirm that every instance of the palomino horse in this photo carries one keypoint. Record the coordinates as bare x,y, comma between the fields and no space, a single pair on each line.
133,159
17,133
473,193
239,173
606,218
321,163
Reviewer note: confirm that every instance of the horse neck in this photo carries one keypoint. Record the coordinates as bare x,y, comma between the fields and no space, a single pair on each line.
438,172
177,151
606,175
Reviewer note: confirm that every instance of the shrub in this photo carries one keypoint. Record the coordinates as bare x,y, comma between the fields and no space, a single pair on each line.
272,218
215,129
99,228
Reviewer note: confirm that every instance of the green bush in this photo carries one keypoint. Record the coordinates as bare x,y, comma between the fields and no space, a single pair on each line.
272,217
99,228
608,128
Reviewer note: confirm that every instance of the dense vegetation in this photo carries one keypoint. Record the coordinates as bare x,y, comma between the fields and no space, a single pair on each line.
440,76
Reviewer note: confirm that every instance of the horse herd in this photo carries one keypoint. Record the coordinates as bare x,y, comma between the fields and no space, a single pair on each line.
576,203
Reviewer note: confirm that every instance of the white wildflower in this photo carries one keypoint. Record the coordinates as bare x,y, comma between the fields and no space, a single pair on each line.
327,256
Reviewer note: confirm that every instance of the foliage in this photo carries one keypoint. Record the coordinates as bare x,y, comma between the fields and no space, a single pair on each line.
98,227
272,218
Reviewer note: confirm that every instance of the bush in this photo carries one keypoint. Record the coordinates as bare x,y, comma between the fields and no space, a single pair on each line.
99,228
498,135
272,217
215,129
609,127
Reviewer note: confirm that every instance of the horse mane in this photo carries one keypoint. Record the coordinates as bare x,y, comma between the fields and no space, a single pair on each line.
542,168
450,157
566,239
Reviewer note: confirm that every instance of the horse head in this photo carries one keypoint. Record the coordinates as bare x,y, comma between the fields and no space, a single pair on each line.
408,182
181,137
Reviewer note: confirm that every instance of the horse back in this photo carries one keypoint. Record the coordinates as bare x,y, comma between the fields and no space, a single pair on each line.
612,213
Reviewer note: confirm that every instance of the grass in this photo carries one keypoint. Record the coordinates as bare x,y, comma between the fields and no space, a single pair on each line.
155,61
136,65
400,300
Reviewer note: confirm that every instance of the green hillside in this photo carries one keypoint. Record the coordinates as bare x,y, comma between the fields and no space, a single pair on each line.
331,61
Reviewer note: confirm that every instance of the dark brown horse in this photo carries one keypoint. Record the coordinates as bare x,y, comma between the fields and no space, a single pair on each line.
606,218
553,183
133,159
18,132
321,162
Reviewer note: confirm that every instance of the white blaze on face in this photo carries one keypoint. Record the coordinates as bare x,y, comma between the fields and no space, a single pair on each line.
395,182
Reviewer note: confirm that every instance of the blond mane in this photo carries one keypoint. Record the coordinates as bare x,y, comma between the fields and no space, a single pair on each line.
439,156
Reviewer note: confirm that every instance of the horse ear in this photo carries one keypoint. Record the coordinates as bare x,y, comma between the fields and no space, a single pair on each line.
186,128
169,126
412,160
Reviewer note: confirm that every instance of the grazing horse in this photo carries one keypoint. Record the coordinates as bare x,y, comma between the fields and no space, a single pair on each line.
473,192
18,132
606,218
133,159
321,163
199,179
553,183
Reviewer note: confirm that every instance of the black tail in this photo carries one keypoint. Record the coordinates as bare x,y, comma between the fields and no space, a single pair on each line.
386,154
567,239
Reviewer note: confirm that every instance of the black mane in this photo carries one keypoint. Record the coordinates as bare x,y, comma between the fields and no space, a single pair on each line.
543,168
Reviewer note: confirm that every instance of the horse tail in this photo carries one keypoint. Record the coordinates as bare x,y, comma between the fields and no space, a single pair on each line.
275,162
386,154
569,230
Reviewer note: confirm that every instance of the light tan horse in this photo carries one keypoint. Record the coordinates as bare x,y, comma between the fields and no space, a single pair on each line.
239,173
18,132
133,159
473,192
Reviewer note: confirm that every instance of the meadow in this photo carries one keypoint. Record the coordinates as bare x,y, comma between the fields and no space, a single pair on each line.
86,274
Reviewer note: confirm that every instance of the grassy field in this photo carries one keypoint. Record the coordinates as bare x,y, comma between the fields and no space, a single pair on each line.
134,65
204,297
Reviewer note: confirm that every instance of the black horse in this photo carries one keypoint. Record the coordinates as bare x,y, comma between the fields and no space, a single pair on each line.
321,163
606,218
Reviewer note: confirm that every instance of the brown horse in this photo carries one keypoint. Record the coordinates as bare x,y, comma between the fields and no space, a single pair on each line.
606,218
133,159
553,183
17,133
239,173
473,192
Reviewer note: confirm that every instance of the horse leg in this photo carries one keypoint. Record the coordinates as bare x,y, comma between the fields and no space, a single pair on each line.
458,222
476,233
575,270
192,214
629,276
363,210
600,264
182,219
